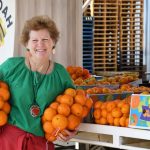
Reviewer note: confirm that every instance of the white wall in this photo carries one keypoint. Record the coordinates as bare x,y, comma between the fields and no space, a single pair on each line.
7,22
68,16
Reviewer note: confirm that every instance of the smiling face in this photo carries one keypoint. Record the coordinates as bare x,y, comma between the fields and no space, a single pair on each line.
40,44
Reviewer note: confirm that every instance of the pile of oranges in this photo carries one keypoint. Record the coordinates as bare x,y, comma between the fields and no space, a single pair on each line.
66,112
79,74
115,113
4,104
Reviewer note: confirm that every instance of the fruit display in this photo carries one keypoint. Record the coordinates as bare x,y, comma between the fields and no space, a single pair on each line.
119,79
66,112
4,104
81,76
103,90
136,90
122,89
115,113
78,72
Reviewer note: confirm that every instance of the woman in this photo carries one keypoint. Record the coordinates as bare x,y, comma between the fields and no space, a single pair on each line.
34,82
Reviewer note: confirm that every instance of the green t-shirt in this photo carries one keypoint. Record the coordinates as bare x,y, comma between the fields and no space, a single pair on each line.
16,74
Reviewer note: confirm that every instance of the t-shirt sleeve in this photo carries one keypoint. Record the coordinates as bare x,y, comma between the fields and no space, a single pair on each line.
69,81
66,78
4,69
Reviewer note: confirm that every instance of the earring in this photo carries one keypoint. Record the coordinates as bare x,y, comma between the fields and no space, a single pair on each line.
53,51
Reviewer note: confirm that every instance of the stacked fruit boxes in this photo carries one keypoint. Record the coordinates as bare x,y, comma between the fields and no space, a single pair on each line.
130,50
88,43
117,35
105,35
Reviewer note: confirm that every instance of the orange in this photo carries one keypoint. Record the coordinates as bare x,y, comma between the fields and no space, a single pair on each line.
74,76
110,106
63,109
125,108
77,109
98,104
85,111
78,81
126,115
3,85
6,108
3,118
121,103
145,93
50,137
116,101
106,90
116,112
67,99
103,121
86,72
124,80
110,118
79,71
43,119
97,121
59,122
122,121
116,122
70,69
80,92
127,122
1,102
81,99
90,91
97,113
49,113
58,98
54,105
48,127
70,91
125,87
104,113
89,103
73,122
5,94
104,105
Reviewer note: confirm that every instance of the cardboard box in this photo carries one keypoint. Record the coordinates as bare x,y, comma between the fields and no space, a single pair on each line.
140,111
136,83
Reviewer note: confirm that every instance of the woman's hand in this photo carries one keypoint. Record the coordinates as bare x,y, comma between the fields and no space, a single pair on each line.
66,135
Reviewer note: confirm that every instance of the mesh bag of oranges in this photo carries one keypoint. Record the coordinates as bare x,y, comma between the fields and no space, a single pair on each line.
66,112
4,104
114,113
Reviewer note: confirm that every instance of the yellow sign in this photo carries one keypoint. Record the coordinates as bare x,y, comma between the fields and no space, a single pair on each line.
2,32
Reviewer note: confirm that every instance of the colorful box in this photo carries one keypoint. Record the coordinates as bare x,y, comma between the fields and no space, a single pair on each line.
140,111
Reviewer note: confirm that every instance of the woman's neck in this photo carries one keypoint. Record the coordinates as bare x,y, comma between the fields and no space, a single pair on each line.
43,68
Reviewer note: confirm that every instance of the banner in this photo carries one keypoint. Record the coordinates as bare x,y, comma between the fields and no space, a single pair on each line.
7,29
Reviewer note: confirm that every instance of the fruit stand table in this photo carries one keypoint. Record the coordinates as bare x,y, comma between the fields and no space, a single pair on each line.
112,136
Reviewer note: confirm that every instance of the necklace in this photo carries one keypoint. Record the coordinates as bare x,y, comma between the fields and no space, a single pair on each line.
35,108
